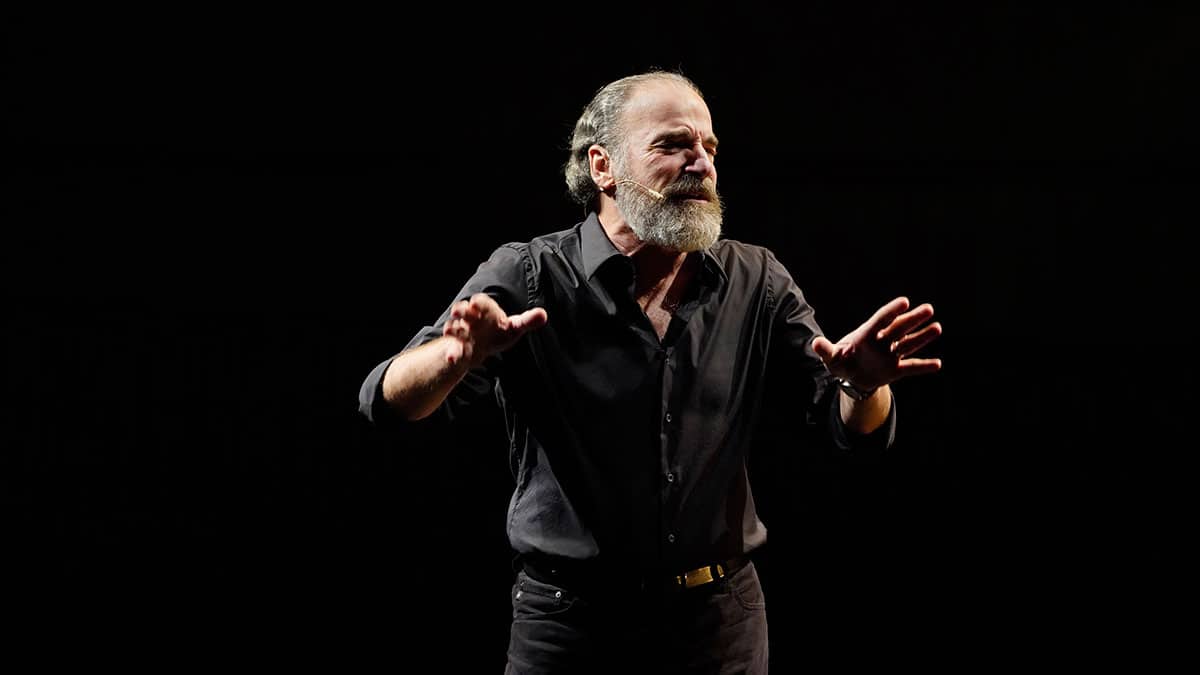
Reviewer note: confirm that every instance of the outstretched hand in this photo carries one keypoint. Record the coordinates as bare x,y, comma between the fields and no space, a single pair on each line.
479,328
880,351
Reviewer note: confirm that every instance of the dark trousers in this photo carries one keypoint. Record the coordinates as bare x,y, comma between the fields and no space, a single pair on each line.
720,627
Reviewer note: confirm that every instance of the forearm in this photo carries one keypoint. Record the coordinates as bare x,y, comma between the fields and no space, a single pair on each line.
863,417
418,380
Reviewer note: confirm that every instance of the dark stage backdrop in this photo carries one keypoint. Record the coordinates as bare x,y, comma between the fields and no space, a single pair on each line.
217,222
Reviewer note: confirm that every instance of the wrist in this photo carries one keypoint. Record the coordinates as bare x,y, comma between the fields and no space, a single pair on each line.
458,355
854,391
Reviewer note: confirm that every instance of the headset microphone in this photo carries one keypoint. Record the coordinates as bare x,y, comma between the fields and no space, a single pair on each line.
653,193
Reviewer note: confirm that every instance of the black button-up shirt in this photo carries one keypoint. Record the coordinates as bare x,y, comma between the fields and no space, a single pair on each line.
625,448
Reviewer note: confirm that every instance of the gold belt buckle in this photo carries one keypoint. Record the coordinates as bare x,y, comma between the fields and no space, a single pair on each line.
699,577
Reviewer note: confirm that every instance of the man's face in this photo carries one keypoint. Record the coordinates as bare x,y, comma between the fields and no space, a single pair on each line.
670,147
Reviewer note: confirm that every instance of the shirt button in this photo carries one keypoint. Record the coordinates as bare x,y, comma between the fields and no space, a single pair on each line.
668,418
670,478
671,538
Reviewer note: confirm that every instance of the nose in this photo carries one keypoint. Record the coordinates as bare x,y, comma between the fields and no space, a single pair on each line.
701,164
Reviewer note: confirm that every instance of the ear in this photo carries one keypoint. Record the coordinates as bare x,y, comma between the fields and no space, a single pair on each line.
601,167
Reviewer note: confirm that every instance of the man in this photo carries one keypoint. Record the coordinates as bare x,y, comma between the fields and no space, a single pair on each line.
630,354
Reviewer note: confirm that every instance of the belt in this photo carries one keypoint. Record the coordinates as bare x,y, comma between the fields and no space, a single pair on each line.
581,574
708,573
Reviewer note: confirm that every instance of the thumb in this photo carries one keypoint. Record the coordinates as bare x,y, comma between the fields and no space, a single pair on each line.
824,348
528,320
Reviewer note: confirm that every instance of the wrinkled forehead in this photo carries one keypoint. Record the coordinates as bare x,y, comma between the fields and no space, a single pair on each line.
659,104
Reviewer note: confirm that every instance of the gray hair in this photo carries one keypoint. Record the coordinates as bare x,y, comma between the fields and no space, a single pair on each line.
600,124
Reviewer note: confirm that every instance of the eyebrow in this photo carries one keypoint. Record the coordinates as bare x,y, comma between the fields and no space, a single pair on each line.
682,135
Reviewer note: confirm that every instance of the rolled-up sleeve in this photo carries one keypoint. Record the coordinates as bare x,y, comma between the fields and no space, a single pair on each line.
808,380
506,276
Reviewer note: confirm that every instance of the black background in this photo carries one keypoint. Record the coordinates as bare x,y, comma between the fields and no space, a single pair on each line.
217,221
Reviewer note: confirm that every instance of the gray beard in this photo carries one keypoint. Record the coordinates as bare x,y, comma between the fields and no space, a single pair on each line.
671,222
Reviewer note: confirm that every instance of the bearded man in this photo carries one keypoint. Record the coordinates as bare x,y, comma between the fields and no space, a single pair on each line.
630,354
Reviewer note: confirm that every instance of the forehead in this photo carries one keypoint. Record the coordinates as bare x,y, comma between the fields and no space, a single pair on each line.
660,104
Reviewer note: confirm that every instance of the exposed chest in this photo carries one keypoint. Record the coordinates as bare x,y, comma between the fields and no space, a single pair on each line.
660,302
659,315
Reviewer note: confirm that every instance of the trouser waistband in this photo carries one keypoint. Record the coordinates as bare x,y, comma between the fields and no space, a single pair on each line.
584,575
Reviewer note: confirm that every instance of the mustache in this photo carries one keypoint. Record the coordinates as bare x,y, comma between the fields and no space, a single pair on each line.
689,185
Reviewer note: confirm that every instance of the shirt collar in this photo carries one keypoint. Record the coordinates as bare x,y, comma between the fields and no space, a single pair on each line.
597,249
595,246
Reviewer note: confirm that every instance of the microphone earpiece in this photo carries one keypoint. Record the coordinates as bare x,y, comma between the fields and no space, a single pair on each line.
653,193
